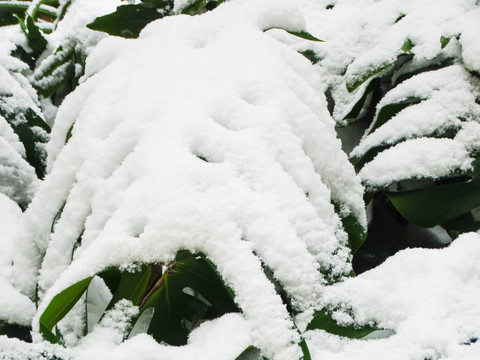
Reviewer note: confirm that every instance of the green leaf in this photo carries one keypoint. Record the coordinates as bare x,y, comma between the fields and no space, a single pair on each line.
304,35
444,41
60,305
437,205
400,17
407,47
127,21
58,74
324,321
250,353
373,72
195,7
356,110
177,309
14,330
129,285
390,110
377,70
11,11
30,140
464,223
310,55
356,232
69,134
301,34
34,36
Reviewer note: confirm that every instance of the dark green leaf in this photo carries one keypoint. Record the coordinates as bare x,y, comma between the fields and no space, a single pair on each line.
195,7
390,110
16,331
127,21
34,36
324,321
464,223
356,232
60,305
356,110
304,35
177,310
376,71
404,55
400,17
250,353
11,11
131,285
59,75
69,134
301,34
311,55
437,205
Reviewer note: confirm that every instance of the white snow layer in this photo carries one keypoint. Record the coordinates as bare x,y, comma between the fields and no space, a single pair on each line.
204,134
15,308
429,298
216,87
364,35
17,177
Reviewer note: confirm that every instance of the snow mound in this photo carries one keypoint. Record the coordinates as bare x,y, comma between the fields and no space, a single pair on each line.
431,304
204,134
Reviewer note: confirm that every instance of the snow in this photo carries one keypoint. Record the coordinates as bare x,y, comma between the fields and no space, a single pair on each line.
354,44
14,306
416,159
431,305
448,95
134,180
210,134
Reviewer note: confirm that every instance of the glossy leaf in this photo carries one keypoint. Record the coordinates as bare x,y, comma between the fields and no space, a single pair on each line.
404,55
34,36
437,205
356,111
60,305
250,353
127,21
301,34
400,17
355,231
376,71
188,291
390,110
10,11
128,285
324,321
60,75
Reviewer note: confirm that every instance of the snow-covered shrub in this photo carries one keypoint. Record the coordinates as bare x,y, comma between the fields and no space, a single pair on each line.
197,203
411,80
233,197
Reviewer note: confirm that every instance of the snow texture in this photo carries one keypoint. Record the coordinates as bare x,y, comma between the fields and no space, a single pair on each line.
17,177
204,134
428,299
416,159
211,135
364,35
15,308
